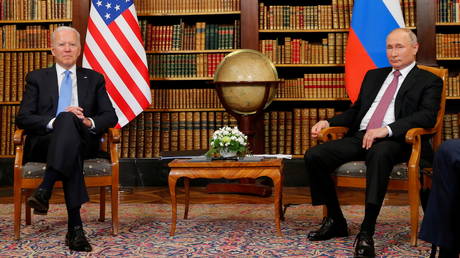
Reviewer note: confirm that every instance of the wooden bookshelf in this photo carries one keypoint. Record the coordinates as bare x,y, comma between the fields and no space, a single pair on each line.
25,43
304,31
308,65
9,102
191,51
35,21
447,29
143,14
250,35
183,109
311,99
181,78
25,49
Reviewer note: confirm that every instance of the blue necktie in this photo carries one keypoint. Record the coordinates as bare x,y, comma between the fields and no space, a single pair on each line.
65,93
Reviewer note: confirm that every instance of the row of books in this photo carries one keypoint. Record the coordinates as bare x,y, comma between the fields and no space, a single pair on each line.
409,12
7,118
306,17
453,86
314,86
154,132
13,68
451,127
31,36
146,7
198,36
448,11
35,9
447,45
184,98
330,50
288,132
183,66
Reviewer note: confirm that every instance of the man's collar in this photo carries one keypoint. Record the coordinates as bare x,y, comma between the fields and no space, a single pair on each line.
405,70
60,69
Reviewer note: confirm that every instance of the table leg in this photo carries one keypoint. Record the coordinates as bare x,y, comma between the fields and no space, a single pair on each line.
281,198
277,200
187,196
172,191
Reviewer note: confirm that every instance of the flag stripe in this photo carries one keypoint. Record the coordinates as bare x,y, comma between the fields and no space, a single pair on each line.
113,92
118,66
129,50
131,20
355,74
107,69
134,72
373,28
395,11
372,21
114,47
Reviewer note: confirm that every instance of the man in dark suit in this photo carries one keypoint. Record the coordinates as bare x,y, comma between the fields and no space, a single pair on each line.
441,225
391,101
64,111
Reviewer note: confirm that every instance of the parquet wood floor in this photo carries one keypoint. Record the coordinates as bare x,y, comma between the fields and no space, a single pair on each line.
293,195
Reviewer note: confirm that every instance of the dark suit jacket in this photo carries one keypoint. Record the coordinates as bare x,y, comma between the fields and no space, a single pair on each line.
40,103
417,103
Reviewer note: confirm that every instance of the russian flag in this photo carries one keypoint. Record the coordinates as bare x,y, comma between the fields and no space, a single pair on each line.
371,22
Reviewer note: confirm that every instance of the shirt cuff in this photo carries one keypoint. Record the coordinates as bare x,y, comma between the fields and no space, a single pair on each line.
390,133
49,126
93,125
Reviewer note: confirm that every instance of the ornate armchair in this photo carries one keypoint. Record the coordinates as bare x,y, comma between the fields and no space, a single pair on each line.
405,176
98,172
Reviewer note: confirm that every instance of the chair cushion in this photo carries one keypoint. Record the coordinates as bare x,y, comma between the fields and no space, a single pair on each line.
91,167
358,169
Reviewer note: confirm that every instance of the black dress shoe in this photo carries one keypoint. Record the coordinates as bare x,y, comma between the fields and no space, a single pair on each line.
330,228
76,240
364,245
39,201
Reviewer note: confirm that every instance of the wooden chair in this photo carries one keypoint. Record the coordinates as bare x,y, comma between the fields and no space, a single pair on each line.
98,172
405,176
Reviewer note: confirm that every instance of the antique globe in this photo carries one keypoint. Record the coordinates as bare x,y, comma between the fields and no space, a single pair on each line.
246,81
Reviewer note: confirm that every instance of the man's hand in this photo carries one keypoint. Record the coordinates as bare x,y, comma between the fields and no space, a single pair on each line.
318,127
78,111
373,134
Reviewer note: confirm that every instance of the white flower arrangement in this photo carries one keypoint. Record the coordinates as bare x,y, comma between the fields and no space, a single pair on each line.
228,140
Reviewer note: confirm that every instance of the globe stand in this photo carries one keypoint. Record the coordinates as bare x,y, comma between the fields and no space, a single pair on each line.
247,125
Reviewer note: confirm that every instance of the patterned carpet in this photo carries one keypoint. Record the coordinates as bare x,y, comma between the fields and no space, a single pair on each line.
221,230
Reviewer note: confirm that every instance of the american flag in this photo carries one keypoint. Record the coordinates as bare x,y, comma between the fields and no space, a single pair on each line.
114,48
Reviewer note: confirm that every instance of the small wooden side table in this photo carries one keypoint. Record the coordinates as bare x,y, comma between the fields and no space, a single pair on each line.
272,168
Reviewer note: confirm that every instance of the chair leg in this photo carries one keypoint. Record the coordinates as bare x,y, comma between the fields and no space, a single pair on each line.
414,203
114,202
17,212
324,211
102,203
28,209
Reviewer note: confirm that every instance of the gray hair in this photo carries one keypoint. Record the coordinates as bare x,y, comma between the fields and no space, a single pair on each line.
409,32
63,28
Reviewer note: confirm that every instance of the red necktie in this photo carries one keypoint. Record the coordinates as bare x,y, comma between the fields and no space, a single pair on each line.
377,118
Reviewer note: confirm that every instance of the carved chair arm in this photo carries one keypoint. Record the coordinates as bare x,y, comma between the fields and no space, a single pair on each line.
114,135
18,136
114,139
332,133
413,133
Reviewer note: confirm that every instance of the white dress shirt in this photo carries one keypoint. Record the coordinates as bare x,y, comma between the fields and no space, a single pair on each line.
74,101
390,114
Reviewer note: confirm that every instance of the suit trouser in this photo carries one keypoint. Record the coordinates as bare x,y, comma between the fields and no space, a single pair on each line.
65,147
441,222
323,159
